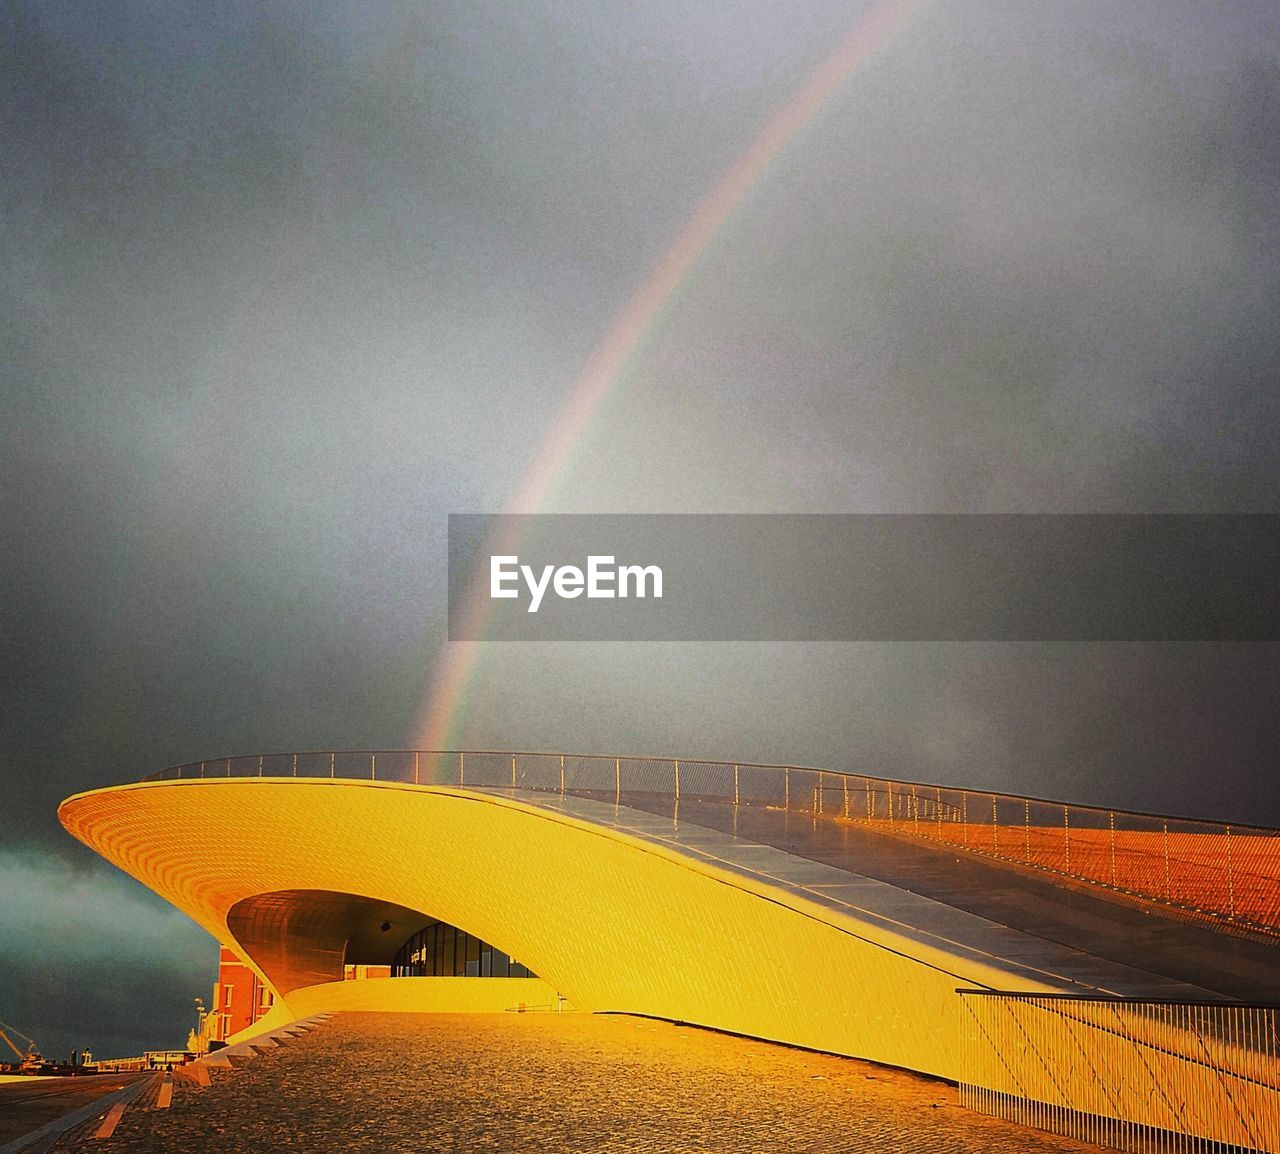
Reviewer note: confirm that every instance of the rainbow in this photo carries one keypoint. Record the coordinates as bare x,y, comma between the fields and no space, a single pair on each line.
455,664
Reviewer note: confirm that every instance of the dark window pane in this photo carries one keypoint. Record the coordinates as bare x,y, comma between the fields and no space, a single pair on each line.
446,965
441,950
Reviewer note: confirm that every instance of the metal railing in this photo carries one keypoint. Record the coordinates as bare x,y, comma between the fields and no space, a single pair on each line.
1223,873
1145,1075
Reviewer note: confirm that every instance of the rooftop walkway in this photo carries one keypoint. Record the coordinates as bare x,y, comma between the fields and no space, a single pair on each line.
1034,926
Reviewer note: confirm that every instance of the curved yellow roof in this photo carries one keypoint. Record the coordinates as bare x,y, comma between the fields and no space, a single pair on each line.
612,921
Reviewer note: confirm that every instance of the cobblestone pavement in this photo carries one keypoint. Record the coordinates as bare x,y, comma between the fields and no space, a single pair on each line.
559,1082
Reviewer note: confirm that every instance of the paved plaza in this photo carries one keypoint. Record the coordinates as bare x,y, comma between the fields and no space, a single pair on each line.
558,1083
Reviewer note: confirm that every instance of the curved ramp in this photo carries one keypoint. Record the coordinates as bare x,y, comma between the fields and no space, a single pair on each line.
617,909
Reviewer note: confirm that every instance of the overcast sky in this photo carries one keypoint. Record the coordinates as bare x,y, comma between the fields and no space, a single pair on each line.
285,285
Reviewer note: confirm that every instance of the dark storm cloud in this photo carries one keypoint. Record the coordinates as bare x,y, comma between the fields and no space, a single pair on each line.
1027,263
85,950
284,291
284,287
1006,277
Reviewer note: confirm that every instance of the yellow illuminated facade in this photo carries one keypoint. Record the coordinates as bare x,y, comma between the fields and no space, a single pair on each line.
610,922
302,876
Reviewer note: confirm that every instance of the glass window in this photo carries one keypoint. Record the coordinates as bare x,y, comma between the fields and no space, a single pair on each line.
446,952
442,950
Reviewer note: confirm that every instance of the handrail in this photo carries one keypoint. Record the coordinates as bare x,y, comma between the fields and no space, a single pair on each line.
1135,1073
1113,999
161,774
1224,873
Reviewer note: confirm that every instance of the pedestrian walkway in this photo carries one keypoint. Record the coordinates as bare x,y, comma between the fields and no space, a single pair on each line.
1037,927
571,1083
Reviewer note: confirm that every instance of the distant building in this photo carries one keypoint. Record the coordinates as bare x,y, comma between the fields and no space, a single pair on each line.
240,998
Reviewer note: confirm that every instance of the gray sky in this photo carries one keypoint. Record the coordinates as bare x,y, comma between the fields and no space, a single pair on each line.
283,286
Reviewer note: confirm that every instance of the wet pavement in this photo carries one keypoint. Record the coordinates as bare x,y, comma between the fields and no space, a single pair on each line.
28,1103
559,1082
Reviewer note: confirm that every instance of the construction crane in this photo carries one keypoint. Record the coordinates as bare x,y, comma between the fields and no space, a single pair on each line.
28,1059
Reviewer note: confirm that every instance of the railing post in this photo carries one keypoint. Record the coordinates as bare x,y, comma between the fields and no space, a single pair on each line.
562,775
817,805
416,780
677,764
845,780
462,768
1026,815
786,788
1066,835
513,771
1168,889
964,815
995,825
259,765
736,795
1111,817
332,760
915,812
295,765
373,767
1231,886
617,781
